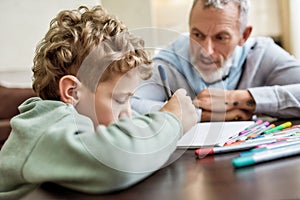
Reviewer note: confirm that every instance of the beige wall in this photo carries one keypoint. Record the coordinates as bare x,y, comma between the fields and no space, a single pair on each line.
171,14
265,18
290,16
23,24
295,27
134,13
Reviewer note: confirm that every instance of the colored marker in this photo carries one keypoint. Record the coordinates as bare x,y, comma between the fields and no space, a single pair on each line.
271,146
243,136
266,156
231,148
285,133
258,122
254,135
286,130
279,127
280,137
255,130
165,82
281,143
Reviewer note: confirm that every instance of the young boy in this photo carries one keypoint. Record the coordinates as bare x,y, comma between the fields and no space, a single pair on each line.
79,132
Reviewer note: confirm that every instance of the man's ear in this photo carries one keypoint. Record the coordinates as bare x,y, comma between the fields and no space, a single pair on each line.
246,35
68,89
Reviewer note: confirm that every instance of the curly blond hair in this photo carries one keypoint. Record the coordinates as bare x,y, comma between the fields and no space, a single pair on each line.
77,38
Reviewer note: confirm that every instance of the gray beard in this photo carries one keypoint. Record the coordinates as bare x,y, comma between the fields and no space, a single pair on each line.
218,75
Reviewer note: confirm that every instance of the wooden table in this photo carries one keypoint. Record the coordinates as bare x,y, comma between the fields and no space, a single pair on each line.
211,177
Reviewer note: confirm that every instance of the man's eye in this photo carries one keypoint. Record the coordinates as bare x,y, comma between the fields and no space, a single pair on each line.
198,35
222,38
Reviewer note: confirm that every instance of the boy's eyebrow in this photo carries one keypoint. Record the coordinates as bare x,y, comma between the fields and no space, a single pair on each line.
124,94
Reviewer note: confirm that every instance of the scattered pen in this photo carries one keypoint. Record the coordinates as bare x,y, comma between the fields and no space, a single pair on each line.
258,129
164,80
286,135
257,134
279,127
258,122
271,146
227,149
244,135
282,133
266,156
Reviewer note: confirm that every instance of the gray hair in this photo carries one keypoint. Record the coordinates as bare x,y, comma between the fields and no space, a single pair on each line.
242,4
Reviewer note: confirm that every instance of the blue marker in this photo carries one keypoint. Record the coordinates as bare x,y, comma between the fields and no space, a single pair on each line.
271,146
266,156
164,80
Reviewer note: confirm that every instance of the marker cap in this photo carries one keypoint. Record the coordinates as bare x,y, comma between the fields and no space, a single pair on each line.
204,151
243,161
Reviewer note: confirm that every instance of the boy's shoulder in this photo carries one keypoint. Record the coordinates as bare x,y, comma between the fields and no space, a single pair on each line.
40,105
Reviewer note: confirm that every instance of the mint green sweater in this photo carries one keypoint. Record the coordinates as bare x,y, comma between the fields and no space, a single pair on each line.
51,142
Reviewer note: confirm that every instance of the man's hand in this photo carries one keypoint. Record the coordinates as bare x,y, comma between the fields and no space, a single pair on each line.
236,114
220,105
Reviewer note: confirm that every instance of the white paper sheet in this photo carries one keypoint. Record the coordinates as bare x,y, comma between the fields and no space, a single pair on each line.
211,133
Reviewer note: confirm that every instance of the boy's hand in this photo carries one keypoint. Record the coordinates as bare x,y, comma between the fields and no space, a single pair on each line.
182,107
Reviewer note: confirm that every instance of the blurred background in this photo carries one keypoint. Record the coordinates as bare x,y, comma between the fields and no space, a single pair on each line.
24,22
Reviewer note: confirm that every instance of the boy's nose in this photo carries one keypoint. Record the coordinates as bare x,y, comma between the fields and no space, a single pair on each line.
126,112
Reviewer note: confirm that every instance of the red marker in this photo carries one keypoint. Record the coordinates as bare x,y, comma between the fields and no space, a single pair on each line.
232,148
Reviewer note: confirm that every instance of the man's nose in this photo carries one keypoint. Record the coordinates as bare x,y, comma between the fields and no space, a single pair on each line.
208,46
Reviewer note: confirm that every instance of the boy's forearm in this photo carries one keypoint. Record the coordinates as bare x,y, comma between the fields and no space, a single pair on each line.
142,139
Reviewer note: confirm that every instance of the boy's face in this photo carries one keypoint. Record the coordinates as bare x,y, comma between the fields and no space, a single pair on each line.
111,99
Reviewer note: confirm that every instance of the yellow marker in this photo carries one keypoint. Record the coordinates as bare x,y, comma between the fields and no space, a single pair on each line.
279,127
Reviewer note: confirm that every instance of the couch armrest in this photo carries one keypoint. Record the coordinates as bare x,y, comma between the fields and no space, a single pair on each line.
10,99
4,131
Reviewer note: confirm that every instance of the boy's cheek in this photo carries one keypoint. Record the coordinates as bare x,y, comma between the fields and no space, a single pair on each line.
106,119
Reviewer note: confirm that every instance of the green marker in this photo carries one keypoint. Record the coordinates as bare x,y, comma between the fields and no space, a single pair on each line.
279,127
266,156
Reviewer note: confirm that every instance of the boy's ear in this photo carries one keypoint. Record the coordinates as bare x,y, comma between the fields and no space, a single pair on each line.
246,35
68,89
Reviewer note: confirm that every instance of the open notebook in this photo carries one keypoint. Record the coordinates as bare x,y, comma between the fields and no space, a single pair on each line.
211,133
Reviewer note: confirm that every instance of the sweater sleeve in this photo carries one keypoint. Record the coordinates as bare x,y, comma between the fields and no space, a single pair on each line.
72,155
273,80
285,100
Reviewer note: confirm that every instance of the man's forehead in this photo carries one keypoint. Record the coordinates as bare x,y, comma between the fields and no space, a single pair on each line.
214,17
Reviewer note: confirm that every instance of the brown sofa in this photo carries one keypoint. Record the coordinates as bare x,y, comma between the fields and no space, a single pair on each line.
10,99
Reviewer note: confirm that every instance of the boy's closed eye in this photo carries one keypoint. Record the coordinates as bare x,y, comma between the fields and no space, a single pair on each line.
122,98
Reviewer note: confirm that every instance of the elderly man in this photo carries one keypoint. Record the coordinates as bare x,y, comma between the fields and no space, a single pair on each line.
228,74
